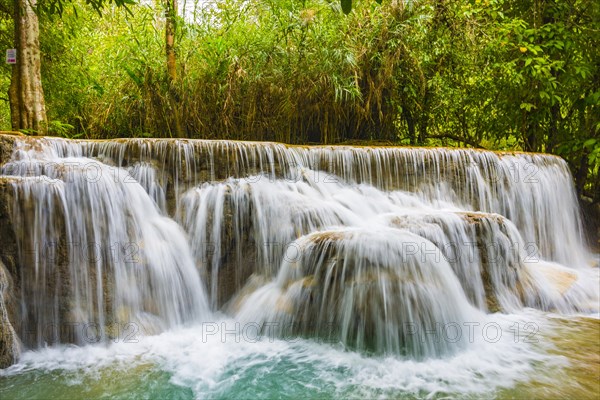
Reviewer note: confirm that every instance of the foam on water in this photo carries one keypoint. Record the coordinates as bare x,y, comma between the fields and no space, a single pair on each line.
233,366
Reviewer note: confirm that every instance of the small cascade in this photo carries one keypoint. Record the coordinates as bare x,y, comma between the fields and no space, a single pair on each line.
369,247
517,186
497,269
147,176
250,223
236,223
362,288
98,255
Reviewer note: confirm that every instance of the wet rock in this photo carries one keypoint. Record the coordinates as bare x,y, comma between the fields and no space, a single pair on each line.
491,260
8,243
561,279
366,294
7,144
237,254
591,222
9,292
10,346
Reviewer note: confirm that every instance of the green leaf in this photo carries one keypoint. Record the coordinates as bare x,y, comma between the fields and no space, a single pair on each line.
589,144
346,6
526,106
138,80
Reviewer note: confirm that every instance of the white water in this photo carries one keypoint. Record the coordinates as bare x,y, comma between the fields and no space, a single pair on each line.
123,262
377,250
217,366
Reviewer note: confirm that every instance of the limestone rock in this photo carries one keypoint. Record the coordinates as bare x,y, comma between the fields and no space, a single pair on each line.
10,347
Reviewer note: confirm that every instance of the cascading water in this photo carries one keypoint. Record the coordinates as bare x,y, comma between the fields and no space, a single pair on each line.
361,286
373,249
98,253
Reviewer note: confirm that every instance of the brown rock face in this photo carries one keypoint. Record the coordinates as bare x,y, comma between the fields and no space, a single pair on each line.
239,260
591,222
7,143
44,289
9,341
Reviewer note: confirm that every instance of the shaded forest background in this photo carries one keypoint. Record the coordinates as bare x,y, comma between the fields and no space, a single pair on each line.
494,74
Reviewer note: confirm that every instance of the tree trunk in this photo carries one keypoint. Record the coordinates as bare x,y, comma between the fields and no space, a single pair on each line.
410,123
170,29
553,131
171,14
27,106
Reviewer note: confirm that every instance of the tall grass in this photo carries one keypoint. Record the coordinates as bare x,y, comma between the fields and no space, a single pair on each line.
291,71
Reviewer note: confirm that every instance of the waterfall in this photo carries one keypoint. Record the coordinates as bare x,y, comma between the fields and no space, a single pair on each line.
362,287
369,247
98,253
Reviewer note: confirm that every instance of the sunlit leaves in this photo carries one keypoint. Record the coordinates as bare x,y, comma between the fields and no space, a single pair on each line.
347,5
57,7
493,72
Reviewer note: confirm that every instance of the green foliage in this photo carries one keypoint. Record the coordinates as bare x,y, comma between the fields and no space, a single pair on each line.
499,74
57,7
58,128
347,5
